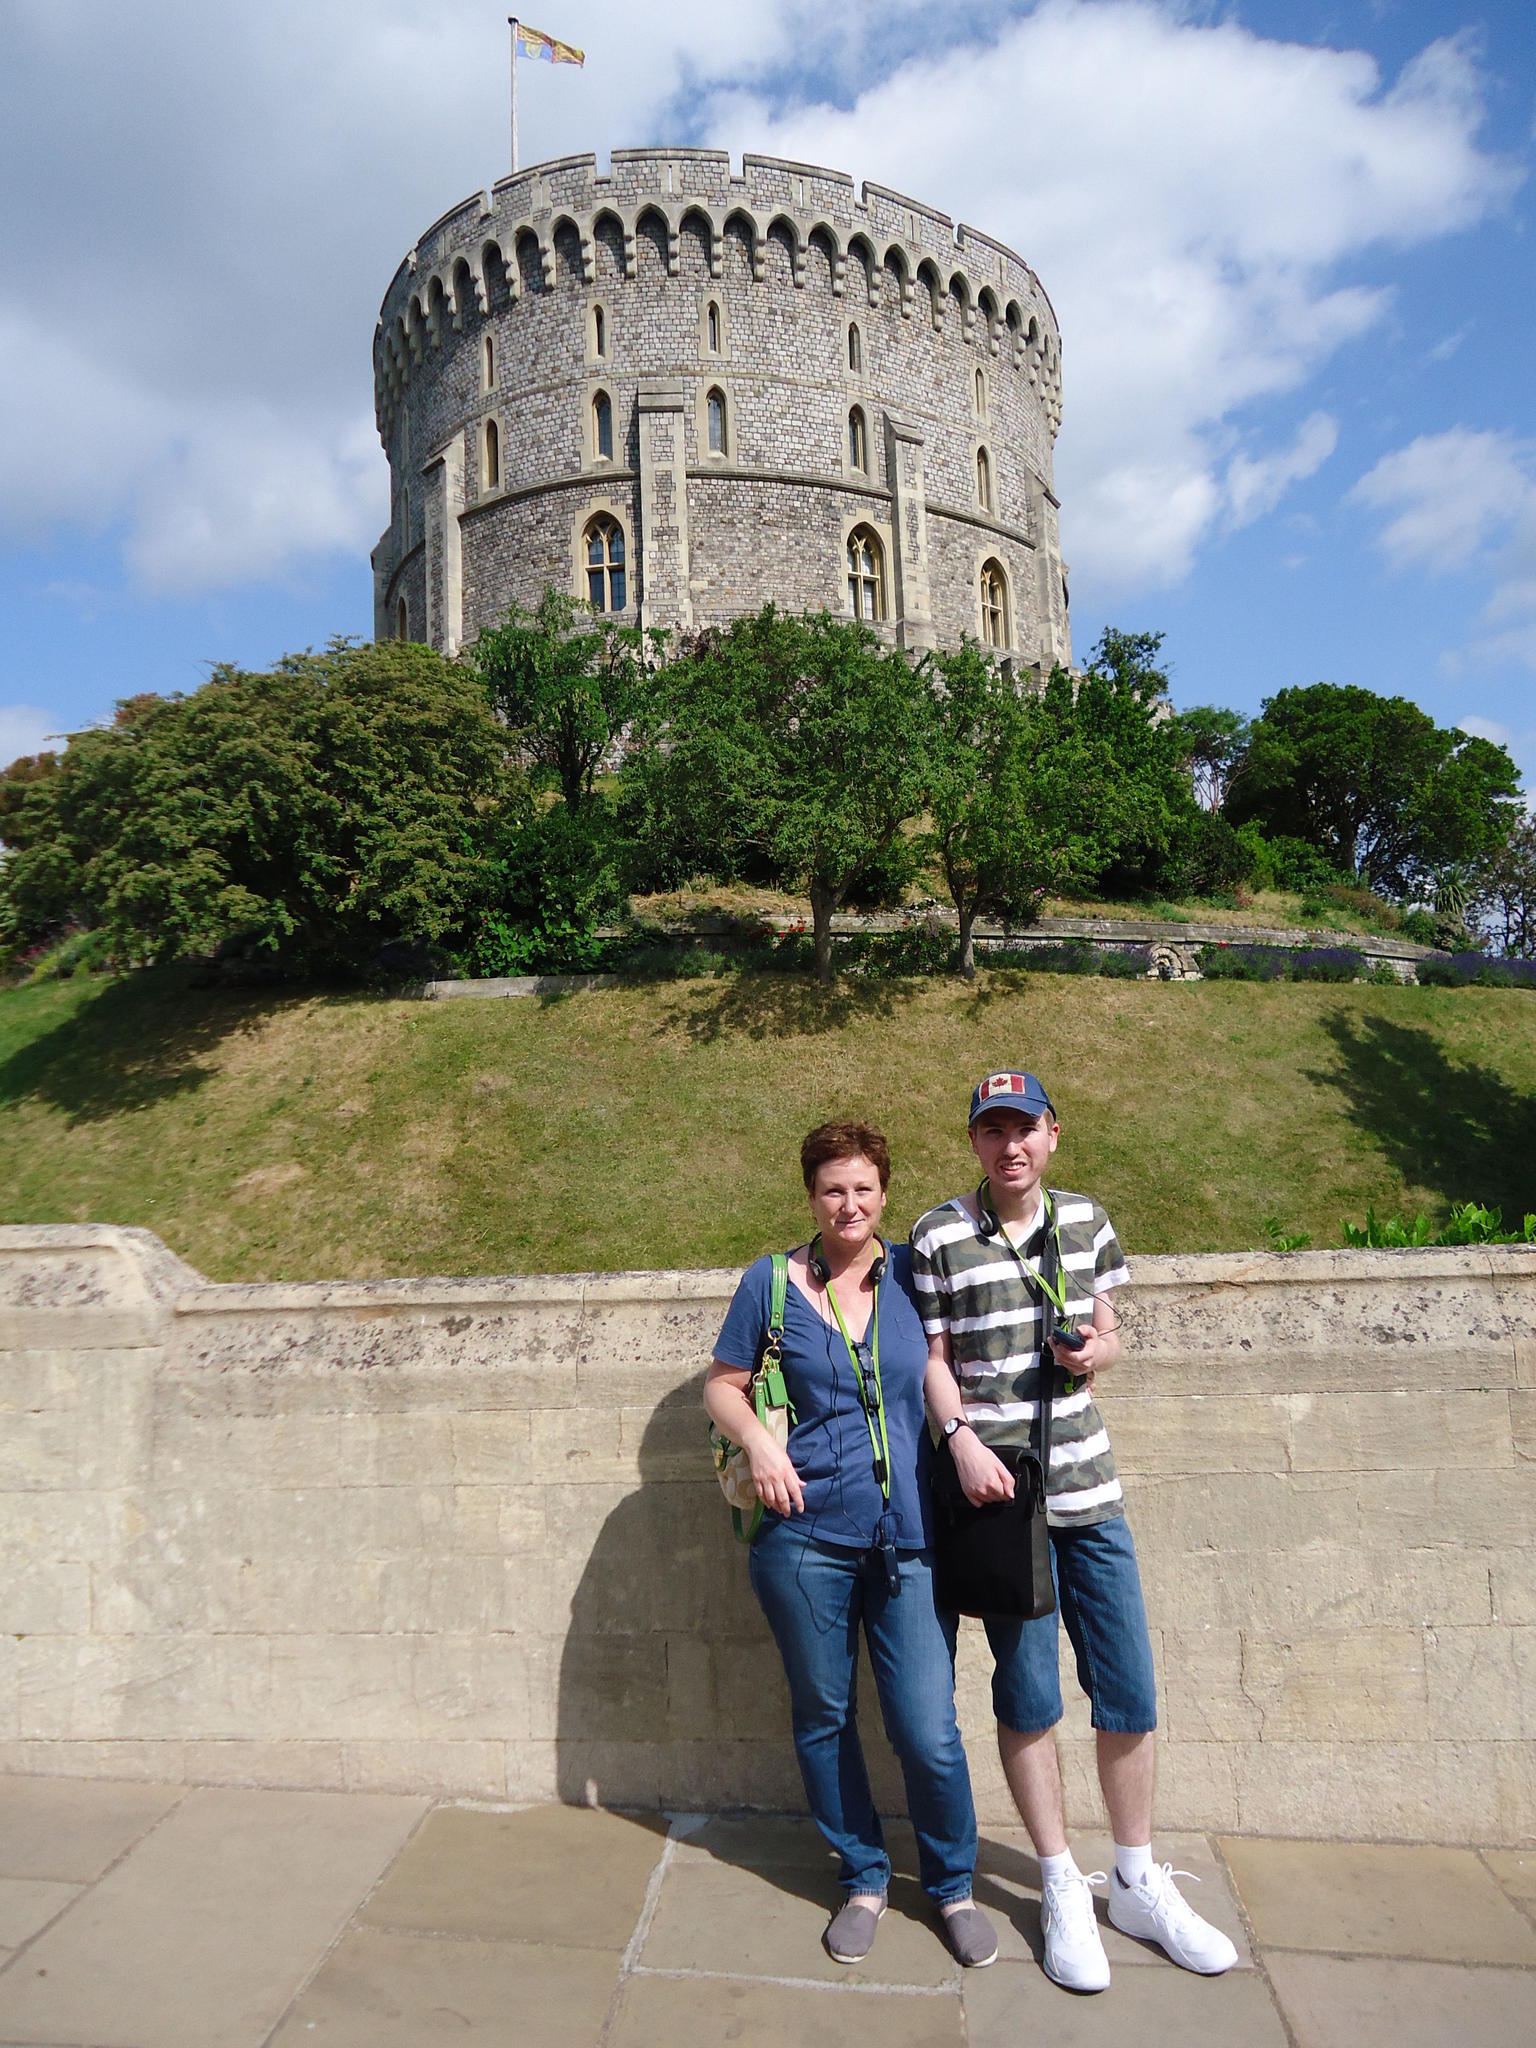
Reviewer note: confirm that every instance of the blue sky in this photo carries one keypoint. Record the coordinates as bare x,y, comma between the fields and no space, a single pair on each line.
1289,246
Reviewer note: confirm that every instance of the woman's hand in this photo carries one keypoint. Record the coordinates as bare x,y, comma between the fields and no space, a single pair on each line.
983,1475
777,1481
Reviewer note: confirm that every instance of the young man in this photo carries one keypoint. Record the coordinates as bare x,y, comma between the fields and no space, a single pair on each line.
976,1263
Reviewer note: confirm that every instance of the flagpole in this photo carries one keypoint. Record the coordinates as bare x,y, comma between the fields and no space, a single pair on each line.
512,24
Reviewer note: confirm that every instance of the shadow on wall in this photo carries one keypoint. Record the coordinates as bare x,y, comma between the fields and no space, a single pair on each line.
1461,1130
671,1690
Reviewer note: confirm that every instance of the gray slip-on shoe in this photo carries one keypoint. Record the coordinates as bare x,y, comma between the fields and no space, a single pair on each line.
971,1937
850,1933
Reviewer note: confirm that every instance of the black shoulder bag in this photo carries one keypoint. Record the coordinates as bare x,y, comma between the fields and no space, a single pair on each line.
996,1558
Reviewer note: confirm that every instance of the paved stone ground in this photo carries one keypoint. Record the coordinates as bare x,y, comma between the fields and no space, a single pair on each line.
146,1916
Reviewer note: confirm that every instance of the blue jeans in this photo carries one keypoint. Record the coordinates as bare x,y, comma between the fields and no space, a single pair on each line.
816,1599
1098,1594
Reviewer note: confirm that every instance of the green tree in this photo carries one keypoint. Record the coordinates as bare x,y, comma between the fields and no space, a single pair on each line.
997,822
312,813
566,683
1374,784
1503,896
1118,746
1214,741
794,744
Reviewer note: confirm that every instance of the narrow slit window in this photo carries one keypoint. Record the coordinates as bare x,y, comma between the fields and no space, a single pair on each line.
716,421
714,328
855,349
983,480
489,362
602,426
858,441
599,332
492,455
981,393
402,621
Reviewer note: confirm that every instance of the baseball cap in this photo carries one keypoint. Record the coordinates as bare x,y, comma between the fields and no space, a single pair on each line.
1021,1092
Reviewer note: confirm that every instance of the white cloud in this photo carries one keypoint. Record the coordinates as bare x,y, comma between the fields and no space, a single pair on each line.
24,729
1256,486
239,184
1465,499
1189,195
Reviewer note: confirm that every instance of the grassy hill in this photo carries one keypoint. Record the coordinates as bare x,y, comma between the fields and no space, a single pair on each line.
306,1137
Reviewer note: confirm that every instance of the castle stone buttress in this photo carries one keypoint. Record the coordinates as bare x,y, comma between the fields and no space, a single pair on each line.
680,394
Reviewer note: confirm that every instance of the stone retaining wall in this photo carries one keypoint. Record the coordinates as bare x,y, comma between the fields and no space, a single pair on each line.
460,1536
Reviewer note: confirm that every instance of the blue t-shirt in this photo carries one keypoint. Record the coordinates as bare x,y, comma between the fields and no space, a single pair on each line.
829,1442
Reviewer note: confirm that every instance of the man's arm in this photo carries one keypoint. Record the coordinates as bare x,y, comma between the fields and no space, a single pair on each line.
983,1475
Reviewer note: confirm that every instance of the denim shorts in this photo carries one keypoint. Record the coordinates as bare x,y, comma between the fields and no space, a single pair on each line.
1098,1593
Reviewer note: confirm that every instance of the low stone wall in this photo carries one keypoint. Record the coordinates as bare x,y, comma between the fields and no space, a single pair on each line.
461,1536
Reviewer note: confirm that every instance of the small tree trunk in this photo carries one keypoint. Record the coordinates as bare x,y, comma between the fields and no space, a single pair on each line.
822,906
967,949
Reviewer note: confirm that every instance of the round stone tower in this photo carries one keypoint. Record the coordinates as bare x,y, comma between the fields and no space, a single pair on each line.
678,394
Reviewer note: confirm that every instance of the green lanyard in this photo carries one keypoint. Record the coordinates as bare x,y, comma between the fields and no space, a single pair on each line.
874,1414
1057,1295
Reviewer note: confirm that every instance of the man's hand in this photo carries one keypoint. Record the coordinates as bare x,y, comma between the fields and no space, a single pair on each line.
983,1475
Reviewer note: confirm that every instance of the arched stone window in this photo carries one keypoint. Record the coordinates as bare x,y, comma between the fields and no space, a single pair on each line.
487,363
599,333
712,327
602,427
866,574
491,477
714,411
402,621
981,394
858,441
983,479
855,348
603,551
996,627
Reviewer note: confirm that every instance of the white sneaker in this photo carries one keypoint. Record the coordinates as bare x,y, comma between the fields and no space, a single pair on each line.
1156,1911
1074,1954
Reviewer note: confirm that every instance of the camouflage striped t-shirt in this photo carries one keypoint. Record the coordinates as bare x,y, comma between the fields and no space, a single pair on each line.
972,1287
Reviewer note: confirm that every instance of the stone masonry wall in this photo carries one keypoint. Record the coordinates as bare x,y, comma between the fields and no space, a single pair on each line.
461,1536
791,259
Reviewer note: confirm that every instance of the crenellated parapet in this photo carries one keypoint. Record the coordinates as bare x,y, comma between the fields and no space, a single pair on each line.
879,247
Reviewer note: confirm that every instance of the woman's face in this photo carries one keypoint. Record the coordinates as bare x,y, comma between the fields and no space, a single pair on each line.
847,1202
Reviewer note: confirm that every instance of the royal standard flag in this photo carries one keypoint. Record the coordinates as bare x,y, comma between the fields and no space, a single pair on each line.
532,42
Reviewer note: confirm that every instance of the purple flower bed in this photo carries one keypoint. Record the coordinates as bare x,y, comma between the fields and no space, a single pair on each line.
1466,970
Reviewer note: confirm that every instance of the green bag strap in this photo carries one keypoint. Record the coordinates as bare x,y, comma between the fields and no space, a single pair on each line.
768,1388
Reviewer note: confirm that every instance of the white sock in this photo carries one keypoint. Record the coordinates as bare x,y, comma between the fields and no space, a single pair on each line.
1054,1868
1133,1864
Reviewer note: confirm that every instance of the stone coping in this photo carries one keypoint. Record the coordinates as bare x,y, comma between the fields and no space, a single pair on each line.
180,1288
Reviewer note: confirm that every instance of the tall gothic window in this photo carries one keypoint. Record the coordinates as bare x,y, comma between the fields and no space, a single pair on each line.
602,426
714,328
488,362
599,332
994,605
866,575
983,480
855,348
492,455
981,394
604,549
715,409
858,441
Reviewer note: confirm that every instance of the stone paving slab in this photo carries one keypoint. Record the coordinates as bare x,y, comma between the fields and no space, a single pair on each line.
549,1873
1344,2002
222,1919
71,1828
1361,1898
379,1989
199,1937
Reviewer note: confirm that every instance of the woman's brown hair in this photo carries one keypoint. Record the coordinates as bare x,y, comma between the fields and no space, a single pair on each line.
847,1139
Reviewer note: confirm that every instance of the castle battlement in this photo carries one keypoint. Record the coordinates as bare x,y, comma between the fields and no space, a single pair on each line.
679,390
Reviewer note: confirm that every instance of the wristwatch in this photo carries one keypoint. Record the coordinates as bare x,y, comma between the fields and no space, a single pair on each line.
955,1422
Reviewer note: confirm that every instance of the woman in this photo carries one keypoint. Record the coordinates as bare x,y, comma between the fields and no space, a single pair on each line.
844,1540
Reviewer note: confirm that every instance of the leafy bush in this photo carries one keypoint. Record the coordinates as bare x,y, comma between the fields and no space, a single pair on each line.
1419,925
1475,970
554,881
1325,963
1077,956
1470,1223
1242,963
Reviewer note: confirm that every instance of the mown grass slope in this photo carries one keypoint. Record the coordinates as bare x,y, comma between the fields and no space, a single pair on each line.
312,1136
